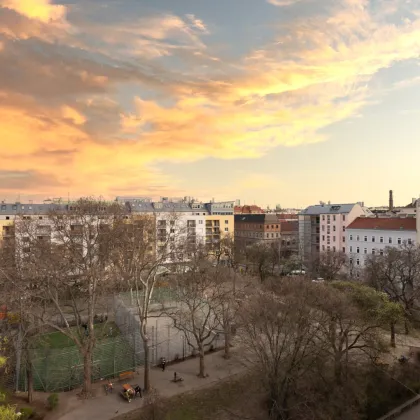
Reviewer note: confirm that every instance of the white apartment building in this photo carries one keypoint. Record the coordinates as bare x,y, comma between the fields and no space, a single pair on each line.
370,236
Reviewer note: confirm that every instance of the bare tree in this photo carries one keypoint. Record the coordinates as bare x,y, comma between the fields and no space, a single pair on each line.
353,318
329,264
260,256
197,298
139,260
279,331
397,273
231,290
66,262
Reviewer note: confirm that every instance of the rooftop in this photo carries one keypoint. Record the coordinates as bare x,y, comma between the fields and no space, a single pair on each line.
391,223
328,209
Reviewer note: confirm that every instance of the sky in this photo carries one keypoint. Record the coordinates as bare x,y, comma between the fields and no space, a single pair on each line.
268,101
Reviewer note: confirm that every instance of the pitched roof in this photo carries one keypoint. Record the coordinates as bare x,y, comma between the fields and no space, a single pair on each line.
328,209
391,223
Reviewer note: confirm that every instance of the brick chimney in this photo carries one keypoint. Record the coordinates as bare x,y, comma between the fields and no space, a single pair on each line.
391,201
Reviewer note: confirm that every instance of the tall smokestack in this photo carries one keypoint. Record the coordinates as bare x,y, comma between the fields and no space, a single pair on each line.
391,201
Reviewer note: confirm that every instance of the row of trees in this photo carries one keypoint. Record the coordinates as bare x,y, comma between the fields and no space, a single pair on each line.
309,340
61,274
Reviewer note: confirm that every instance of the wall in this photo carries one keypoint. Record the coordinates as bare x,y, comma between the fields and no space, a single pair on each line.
356,239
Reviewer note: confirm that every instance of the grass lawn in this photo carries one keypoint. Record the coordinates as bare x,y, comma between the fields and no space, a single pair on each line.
58,340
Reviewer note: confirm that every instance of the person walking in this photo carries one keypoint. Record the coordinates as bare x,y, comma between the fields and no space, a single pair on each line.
163,364
137,391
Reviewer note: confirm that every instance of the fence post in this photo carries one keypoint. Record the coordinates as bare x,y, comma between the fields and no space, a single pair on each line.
169,339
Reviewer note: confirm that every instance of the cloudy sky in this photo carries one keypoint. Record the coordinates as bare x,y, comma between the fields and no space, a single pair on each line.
272,101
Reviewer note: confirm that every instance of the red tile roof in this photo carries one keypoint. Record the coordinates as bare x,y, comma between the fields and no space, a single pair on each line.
378,223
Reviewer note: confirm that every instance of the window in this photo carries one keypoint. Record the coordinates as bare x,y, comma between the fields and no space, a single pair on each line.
344,217
328,240
351,261
7,218
328,248
344,239
323,228
381,252
40,217
328,230
328,219
381,239
323,217
333,248
358,250
358,262
373,251
226,229
365,238
344,249
333,238
365,250
323,237
334,228
200,222
399,241
344,228
172,230
334,217
409,241
357,238
351,249
373,239
390,240
323,247
351,237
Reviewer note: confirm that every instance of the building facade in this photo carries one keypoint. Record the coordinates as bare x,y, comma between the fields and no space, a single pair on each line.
367,236
322,227
267,228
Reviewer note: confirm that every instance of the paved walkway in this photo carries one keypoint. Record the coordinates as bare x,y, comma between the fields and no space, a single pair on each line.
104,407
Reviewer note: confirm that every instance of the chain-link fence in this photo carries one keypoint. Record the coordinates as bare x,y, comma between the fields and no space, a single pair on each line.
164,339
62,369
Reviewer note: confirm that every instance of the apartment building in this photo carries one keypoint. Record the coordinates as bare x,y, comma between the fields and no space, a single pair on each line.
195,221
186,218
268,228
367,236
322,227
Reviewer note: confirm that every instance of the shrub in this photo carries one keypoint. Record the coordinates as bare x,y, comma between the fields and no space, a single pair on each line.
52,401
26,413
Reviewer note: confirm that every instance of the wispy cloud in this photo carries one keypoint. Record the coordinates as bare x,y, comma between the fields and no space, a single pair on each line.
98,106
283,3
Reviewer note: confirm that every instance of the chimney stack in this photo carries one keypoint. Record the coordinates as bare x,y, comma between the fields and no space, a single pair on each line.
391,201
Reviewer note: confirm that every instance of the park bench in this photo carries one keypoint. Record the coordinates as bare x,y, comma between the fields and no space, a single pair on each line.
124,375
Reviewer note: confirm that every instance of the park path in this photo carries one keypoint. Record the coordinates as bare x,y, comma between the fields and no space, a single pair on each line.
105,407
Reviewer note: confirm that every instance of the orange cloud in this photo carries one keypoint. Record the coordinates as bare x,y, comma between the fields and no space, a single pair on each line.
64,120
41,10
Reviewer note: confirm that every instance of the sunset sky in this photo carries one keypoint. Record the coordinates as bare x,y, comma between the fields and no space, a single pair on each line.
272,101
